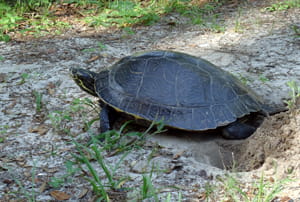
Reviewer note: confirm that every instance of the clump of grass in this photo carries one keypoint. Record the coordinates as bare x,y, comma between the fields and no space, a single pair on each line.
294,94
3,132
148,190
233,189
112,143
115,142
60,118
23,192
86,156
24,77
38,101
57,182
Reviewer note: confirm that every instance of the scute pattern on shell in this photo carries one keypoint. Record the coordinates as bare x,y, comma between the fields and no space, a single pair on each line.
184,91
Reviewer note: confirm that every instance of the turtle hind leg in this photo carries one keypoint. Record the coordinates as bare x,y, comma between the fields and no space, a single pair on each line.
108,115
238,130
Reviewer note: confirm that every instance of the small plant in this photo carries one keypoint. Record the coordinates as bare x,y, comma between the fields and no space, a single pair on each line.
24,76
38,101
296,30
147,189
57,182
101,46
30,194
59,120
86,155
209,190
3,129
245,80
263,79
128,30
168,199
2,139
238,26
294,94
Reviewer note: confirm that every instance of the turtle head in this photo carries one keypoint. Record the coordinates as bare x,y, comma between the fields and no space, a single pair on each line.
85,79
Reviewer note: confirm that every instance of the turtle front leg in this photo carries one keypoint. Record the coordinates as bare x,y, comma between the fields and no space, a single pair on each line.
107,117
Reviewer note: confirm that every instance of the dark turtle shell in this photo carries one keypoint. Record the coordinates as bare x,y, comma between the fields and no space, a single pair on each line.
185,92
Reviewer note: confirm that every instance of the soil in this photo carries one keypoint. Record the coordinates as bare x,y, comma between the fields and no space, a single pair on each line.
258,46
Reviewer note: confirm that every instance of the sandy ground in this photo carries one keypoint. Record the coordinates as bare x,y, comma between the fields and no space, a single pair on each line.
259,47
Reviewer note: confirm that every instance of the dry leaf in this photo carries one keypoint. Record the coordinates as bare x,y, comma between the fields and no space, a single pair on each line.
92,59
178,154
41,129
285,199
2,77
51,170
43,187
59,195
202,196
83,192
51,88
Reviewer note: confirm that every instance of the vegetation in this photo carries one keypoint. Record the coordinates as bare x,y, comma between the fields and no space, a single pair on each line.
60,118
44,17
284,5
294,94
38,101
112,143
233,189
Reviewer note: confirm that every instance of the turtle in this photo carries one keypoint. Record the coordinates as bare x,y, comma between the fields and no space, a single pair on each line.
186,92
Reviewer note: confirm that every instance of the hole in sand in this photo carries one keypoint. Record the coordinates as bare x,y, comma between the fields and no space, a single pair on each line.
272,140
204,148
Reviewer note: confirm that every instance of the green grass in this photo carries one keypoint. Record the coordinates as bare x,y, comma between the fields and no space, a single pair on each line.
3,132
24,77
59,181
90,158
234,189
22,192
40,18
60,118
294,95
85,158
148,190
9,20
38,101
283,5
296,30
